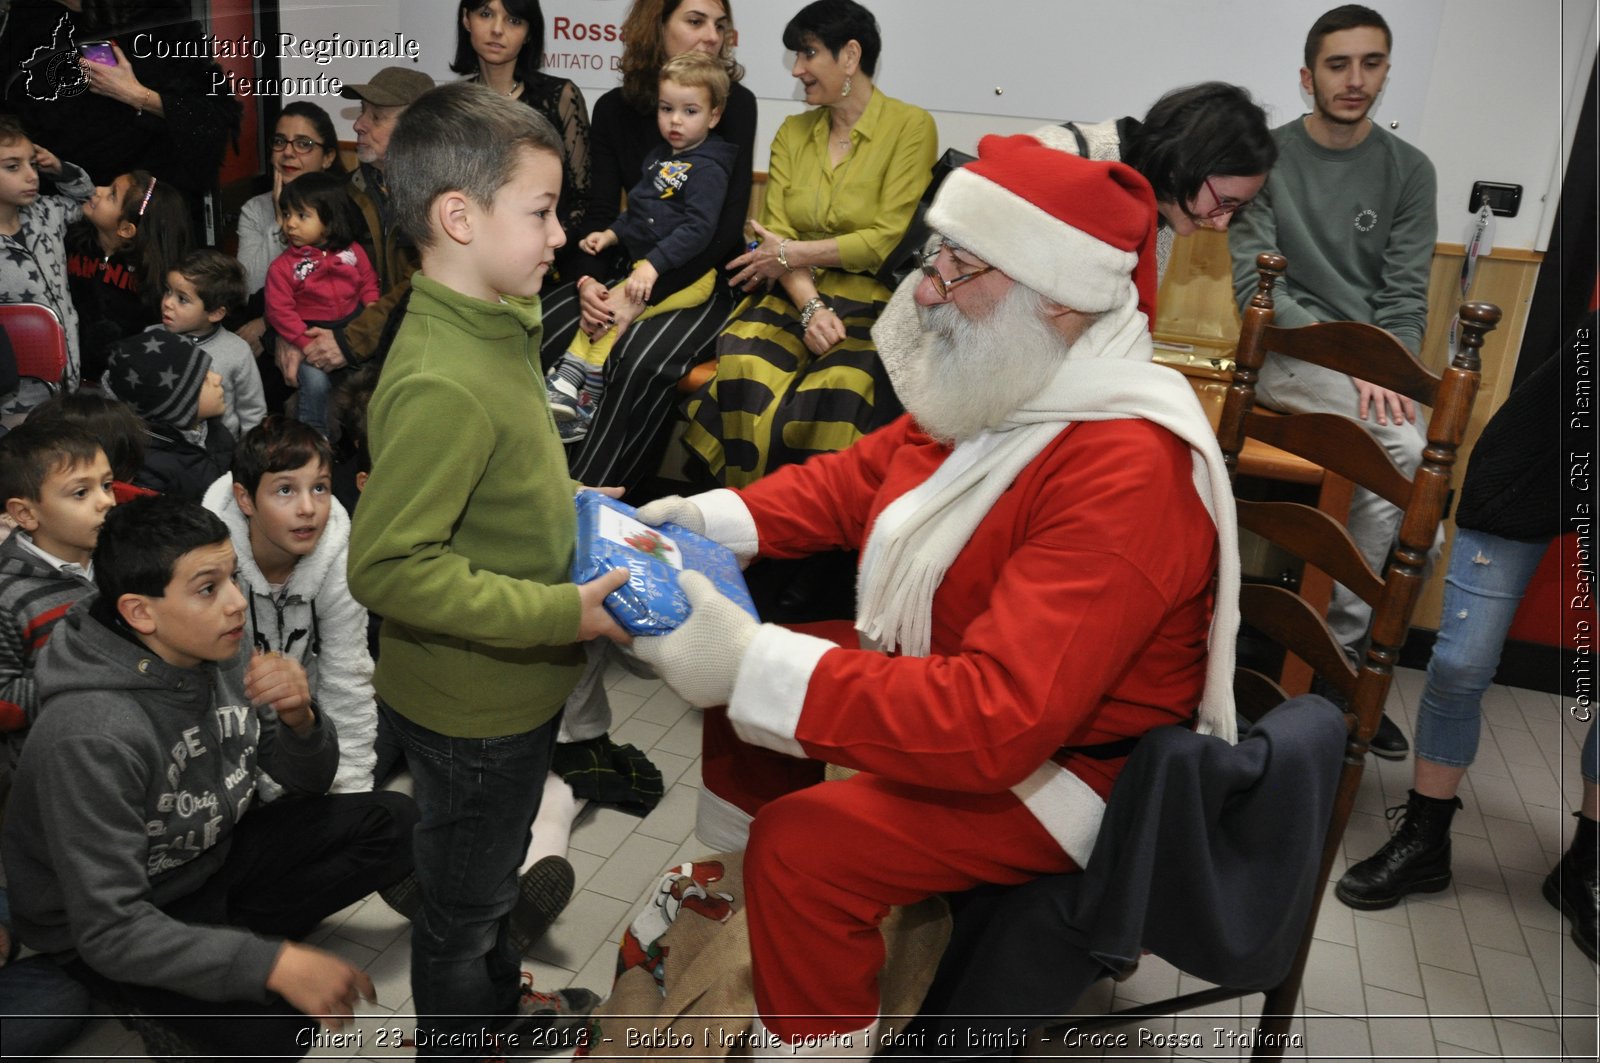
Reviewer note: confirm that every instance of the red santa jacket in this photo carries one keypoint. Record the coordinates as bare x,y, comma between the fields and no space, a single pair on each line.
1076,615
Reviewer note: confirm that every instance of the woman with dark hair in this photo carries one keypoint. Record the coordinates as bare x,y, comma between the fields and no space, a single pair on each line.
303,141
130,108
1205,149
623,446
500,44
797,371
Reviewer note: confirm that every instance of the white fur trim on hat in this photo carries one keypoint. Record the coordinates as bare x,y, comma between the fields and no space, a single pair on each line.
1031,246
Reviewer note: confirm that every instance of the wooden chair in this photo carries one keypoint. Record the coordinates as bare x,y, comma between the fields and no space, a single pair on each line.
39,341
1341,446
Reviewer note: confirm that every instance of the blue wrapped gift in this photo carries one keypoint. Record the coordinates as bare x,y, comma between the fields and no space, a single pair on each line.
610,535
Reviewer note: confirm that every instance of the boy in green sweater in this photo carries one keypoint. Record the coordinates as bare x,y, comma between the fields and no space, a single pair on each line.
463,543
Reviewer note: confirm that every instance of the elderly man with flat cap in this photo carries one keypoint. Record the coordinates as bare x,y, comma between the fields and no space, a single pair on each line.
1043,535
383,100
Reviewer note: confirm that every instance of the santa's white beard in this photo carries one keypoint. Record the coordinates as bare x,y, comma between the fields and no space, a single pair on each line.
970,375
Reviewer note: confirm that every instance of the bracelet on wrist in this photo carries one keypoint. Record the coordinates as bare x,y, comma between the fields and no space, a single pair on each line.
783,257
809,311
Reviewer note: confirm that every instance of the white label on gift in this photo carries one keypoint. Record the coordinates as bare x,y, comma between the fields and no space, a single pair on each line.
623,530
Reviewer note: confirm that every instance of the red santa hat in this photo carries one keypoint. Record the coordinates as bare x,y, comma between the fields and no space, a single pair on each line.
1080,232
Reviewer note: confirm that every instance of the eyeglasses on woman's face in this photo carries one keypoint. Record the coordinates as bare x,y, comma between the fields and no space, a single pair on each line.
300,145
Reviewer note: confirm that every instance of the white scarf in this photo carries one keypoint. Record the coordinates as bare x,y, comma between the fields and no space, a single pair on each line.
1108,376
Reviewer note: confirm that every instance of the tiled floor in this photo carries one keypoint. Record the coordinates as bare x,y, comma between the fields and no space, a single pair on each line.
1484,969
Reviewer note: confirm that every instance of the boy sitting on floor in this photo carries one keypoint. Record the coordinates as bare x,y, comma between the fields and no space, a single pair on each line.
55,483
205,287
134,855
292,538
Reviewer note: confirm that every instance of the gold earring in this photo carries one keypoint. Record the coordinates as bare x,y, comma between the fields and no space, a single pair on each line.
846,90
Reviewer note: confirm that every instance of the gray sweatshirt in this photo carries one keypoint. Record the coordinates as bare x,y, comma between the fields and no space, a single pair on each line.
133,778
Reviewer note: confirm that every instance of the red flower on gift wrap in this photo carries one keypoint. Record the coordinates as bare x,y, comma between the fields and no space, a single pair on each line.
650,542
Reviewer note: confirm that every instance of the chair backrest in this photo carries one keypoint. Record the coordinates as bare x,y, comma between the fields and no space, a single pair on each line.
1342,446
38,339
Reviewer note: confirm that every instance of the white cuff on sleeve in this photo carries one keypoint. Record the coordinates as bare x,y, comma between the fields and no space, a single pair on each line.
1065,806
771,687
729,522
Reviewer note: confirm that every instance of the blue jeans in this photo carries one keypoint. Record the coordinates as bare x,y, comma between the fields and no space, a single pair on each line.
44,1007
1482,592
316,387
478,798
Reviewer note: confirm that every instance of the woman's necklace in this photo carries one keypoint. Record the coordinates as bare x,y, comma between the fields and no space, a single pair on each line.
514,91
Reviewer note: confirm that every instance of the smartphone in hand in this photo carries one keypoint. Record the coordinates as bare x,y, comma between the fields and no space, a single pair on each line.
99,52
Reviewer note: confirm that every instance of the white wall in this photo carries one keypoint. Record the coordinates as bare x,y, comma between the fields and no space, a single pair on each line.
1488,88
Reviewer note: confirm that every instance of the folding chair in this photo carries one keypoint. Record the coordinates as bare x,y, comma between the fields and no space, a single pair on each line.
39,341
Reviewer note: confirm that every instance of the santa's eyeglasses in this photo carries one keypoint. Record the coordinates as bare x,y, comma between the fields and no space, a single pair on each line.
931,269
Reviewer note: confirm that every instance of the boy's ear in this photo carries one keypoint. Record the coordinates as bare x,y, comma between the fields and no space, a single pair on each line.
453,214
22,511
247,505
216,316
716,116
136,613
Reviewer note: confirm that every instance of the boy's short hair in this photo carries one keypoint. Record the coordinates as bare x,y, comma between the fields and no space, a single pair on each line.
218,279
697,70
33,450
458,137
112,422
278,444
11,129
142,541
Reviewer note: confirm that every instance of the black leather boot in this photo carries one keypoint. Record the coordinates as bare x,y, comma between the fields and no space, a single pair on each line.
1415,859
1574,887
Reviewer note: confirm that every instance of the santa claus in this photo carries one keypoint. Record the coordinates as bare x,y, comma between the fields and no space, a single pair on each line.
1042,536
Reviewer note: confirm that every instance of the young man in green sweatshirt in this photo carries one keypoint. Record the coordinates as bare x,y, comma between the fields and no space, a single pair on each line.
463,543
1352,207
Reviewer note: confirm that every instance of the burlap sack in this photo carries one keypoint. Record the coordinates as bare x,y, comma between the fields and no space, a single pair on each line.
706,1012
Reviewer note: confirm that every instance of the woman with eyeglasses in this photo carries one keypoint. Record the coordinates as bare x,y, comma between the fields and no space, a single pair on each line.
302,142
797,371
1205,149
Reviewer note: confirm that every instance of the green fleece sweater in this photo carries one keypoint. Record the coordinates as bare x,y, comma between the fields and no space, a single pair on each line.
463,540
1357,226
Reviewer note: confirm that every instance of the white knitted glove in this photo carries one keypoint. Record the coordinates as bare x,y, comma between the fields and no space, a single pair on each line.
674,509
700,658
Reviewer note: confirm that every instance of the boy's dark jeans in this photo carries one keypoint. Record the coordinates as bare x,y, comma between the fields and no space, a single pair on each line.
478,798
293,863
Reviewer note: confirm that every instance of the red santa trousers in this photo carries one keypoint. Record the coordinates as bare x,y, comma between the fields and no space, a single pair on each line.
826,863
747,776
